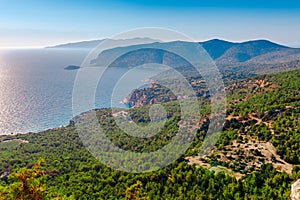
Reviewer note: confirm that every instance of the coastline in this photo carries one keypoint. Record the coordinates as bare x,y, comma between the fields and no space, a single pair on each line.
32,132
69,123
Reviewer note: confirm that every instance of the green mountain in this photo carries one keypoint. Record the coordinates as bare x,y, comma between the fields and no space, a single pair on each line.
256,157
220,50
251,57
216,48
241,52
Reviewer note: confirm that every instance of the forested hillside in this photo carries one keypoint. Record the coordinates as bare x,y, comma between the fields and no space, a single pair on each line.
256,157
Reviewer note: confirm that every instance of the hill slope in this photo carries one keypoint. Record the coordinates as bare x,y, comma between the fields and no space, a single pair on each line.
216,48
245,51
262,127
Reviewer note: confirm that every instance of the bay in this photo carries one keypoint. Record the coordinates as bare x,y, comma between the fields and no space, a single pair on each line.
36,90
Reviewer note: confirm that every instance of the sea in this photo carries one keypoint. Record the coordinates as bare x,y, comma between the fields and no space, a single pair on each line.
36,90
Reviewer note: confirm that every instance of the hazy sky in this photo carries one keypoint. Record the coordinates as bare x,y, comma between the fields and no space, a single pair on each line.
42,23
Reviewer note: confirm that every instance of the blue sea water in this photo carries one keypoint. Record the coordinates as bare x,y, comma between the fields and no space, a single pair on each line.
36,90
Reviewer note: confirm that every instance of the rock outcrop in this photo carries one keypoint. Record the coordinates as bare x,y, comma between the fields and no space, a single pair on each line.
295,192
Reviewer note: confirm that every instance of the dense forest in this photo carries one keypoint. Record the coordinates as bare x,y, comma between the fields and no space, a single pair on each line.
256,157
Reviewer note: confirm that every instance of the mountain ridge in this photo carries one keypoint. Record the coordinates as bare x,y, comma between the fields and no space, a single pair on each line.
90,44
241,52
249,55
222,51
253,55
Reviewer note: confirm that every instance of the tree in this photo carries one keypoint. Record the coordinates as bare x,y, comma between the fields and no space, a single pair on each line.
133,192
27,184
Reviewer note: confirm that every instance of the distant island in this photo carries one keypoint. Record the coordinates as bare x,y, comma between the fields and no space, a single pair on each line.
72,67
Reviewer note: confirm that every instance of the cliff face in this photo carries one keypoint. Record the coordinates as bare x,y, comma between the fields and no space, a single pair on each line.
295,192
148,96
156,93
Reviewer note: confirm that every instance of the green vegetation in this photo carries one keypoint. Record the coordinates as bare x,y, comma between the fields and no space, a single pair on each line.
26,184
287,135
262,111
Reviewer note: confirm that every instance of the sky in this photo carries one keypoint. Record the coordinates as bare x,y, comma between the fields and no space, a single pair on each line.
35,23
